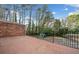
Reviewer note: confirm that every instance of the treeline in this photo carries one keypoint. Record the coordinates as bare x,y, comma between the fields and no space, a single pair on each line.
38,19
38,16
15,12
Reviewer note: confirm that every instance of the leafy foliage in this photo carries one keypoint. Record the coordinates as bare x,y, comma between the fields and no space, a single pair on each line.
61,31
73,20
57,24
47,31
74,31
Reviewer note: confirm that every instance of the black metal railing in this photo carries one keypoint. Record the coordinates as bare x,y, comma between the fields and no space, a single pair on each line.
69,40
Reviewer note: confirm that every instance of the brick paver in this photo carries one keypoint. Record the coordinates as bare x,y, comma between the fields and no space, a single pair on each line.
27,44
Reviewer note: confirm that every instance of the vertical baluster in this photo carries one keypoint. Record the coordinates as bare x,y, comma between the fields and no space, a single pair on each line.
77,40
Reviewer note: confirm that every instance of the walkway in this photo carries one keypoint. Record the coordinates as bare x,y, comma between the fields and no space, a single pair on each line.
26,44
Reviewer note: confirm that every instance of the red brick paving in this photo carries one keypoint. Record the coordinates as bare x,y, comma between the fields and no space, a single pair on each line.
26,44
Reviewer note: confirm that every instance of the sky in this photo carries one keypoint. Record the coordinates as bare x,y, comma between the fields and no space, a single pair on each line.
59,11
62,10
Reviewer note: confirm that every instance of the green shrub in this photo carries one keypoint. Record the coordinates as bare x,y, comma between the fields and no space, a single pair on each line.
47,31
61,31
74,31
42,35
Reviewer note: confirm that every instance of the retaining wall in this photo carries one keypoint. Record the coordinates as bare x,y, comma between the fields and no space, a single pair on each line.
11,29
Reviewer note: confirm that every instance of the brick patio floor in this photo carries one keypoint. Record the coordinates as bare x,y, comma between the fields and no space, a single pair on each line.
27,44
